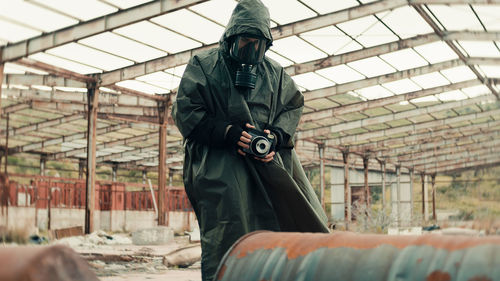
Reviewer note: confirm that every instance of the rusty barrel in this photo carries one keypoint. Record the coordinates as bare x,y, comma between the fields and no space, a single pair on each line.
43,263
275,256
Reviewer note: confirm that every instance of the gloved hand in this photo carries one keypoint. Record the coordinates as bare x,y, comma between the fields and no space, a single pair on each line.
233,134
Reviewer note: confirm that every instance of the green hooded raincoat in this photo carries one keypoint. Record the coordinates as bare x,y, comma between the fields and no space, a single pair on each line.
231,194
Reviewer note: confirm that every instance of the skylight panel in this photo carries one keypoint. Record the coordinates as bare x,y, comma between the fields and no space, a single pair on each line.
480,48
436,52
142,87
374,92
404,59
368,31
124,4
89,56
177,71
296,49
161,79
14,33
489,16
290,12
312,81
451,96
458,74
36,17
214,10
10,69
71,89
340,74
21,69
491,71
157,36
325,7
278,58
476,91
424,99
371,67
430,80
402,86
406,22
198,28
456,17
41,87
84,10
64,63
330,39
123,47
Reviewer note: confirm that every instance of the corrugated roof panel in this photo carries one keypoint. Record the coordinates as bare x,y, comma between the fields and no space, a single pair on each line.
371,67
436,52
406,22
404,59
292,11
331,40
480,48
312,81
368,31
402,86
279,58
374,92
456,17
89,56
458,74
83,10
64,63
491,71
430,80
476,91
341,74
489,15
213,10
123,47
124,4
142,87
198,28
324,7
451,96
161,79
13,32
302,51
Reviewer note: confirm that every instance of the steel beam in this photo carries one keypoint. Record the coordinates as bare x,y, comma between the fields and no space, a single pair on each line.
93,27
321,150
347,188
15,107
60,72
45,80
153,120
43,124
322,131
467,164
454,158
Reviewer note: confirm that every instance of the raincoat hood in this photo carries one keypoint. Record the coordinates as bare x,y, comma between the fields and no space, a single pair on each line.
251,17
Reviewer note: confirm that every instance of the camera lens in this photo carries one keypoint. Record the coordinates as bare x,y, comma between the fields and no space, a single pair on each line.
262,147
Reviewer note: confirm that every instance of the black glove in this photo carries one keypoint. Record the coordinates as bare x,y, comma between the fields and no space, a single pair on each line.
233,135
280,136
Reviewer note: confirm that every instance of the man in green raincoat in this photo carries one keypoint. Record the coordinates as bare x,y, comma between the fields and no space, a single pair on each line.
225,93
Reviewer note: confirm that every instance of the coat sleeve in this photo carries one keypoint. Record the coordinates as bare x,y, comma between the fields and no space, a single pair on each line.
290,111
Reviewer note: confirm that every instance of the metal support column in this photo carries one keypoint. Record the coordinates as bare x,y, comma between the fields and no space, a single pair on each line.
6,144
81,168
114,173
144,176
93,99
347,188
43,162
162,114
433,183
170,177
382,168
321,148
366,192
398,193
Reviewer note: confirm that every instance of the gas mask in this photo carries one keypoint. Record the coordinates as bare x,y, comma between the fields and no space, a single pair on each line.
247,50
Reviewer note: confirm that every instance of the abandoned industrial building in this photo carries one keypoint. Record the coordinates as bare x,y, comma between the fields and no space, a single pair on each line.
399,138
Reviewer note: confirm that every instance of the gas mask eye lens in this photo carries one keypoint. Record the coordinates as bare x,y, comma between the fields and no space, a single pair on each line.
248,49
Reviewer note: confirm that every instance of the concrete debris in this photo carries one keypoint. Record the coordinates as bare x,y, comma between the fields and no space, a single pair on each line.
94,239
183,257
460,231
43,263
194,236
153,236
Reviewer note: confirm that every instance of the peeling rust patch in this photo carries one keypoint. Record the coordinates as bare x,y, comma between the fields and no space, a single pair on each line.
438,276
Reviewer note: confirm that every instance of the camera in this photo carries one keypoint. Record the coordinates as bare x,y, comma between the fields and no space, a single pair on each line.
261,143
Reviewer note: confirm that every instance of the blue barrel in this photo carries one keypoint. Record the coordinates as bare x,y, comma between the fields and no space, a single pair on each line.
278,256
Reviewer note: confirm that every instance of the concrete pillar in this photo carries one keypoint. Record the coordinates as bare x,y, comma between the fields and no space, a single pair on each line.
411,194
347,188
93,99
321,148
398,193
425,211
144,176
433,183
170,177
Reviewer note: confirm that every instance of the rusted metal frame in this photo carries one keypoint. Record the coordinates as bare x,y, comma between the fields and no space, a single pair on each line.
126,141
154,160
162,161
43,124
278,32
360,106
455,49
6,148
399,75
424,196
68,138
493,161
45,80
366,191
382,171
93,98
414,129
60,72
325,130
347,187
398,192
321,151
93,27
433,190
411,174
114,156
128,118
